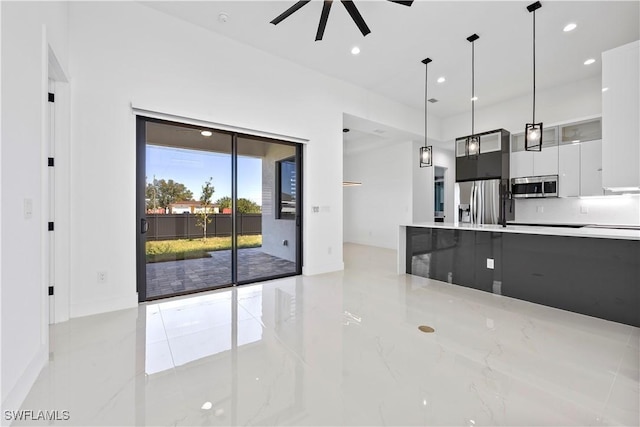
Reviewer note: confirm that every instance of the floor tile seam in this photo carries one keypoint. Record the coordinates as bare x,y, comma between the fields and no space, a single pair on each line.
277,337
164,329
613,383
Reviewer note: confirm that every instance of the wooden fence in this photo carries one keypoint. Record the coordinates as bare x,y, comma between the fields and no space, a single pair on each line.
184,226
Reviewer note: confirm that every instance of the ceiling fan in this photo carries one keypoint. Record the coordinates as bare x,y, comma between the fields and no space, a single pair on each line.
349,5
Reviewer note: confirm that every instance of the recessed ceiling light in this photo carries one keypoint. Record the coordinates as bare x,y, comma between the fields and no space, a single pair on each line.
475,98
206,133
589,61
604,89
355,50
569,27
441,80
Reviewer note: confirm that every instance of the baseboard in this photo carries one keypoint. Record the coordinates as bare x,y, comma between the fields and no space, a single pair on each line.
104,306
14,399
365,242
321,269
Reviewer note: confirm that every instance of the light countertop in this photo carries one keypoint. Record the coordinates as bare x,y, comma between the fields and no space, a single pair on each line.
601,233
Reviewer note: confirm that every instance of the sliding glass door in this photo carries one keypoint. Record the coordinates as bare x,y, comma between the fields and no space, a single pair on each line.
215,208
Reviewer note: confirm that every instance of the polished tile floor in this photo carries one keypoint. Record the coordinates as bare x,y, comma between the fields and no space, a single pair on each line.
342,349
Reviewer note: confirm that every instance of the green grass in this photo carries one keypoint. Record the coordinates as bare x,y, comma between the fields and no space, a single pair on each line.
172,250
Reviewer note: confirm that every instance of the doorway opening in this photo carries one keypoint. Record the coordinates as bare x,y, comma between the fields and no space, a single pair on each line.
438,193
215,208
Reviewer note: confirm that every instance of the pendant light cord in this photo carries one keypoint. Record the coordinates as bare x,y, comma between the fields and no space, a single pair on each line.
426,99
534,66
473,88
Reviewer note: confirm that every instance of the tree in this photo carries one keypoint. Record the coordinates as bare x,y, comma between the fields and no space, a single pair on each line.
204,215
162,193
224,203
247,206
243,205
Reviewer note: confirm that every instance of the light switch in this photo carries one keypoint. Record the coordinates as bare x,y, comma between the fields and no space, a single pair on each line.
28,208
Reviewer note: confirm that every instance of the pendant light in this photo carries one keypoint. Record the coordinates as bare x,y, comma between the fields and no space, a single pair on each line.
472,144
533,130
426,152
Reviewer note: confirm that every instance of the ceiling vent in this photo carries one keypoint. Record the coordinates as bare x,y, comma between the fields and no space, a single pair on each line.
432,100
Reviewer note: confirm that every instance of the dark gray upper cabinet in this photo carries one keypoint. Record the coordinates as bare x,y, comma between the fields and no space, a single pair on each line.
491,163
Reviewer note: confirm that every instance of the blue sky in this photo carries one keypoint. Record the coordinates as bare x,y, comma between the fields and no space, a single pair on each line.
192,168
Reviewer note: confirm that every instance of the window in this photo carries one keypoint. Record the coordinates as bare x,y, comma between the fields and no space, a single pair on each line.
286,188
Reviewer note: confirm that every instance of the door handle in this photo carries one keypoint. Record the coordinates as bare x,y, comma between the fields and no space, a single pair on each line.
144,226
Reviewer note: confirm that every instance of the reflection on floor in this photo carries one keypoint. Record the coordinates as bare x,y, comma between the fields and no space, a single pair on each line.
172,277
342,349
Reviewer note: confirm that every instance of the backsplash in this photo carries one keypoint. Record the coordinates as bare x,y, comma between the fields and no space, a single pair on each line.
608,210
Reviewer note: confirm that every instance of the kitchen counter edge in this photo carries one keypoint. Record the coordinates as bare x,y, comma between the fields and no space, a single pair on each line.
599,233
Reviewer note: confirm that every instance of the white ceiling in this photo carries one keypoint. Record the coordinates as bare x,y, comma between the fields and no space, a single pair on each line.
389,62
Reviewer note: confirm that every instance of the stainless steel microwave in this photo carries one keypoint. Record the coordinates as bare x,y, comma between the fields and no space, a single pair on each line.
534,186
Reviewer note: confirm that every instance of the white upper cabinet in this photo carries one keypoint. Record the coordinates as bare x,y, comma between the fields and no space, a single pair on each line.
534,163
621,117
591,168
521,164
569,170
571,151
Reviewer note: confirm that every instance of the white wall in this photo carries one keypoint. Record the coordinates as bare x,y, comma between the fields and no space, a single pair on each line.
27,31
374,210
274,231
165,64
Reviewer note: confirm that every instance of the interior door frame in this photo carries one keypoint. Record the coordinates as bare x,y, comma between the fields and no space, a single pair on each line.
141,222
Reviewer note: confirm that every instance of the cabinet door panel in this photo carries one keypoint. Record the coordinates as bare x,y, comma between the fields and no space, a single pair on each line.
569,170
521,164
545,162
591,168
620,112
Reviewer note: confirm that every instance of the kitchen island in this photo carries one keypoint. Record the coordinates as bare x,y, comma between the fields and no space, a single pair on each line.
592,271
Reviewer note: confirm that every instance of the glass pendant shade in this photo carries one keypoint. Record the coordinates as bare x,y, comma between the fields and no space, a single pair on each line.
426,157
533,137
472,146
533,131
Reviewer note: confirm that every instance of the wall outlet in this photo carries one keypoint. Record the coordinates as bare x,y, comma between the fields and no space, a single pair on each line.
315,209
490,263
285,243
540,209
102,277
584,209
329,250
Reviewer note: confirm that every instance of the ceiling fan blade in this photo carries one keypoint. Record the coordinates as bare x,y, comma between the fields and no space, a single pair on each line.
355,15
323,19
402,2
289,11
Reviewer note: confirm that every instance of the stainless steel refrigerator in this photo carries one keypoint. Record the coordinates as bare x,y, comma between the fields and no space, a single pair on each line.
480,202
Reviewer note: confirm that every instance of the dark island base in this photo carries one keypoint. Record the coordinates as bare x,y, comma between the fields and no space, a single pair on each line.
593,276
